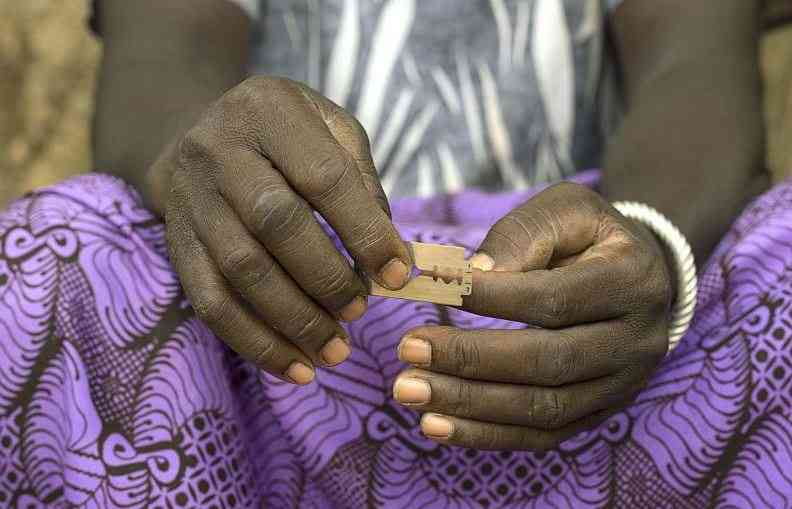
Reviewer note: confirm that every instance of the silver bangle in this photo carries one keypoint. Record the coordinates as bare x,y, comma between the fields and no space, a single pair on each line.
684,265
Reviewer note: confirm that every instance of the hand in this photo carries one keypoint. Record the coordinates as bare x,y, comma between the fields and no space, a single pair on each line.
596,287
253,260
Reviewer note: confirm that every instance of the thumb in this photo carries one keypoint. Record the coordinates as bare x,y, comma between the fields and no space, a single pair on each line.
351,135
554,225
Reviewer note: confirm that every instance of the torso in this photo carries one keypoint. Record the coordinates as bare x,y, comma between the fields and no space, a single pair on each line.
492,94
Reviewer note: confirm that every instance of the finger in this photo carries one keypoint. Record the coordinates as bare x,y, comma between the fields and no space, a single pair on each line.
263,283
546,408
353,138
217,305
527,356
590,290
560,222
487,436
285,224
301,147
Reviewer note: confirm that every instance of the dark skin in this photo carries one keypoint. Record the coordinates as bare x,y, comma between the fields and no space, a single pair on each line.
595,284
236,179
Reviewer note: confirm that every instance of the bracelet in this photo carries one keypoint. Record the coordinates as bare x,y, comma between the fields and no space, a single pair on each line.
684,265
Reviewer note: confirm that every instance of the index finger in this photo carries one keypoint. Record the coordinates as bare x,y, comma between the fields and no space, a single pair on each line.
299,144
353,138
586,291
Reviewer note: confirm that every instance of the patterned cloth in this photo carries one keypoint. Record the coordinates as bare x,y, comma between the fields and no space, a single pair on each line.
113,395
495,94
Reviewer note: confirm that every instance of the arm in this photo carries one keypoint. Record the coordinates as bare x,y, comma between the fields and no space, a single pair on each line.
237,177
692,141
163,63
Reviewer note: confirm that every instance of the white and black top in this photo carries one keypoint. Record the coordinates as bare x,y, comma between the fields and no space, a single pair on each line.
494,94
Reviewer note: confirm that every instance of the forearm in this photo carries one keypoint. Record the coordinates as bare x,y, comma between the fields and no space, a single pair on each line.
692,141
162,66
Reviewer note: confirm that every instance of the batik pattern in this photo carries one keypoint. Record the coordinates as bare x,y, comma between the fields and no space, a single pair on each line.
112,394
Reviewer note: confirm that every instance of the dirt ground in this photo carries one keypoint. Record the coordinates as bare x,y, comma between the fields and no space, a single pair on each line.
48,64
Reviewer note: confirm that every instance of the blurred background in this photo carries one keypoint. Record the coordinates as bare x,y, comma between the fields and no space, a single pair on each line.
48,63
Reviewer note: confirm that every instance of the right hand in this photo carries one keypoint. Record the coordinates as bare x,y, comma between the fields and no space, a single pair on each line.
254,261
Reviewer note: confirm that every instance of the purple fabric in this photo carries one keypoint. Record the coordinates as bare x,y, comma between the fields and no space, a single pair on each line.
113,395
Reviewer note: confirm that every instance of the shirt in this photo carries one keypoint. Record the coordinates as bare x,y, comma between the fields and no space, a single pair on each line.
490,94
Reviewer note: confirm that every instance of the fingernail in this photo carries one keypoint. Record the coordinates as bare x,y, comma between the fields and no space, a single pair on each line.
354,310
415,351
436,426
411,391
335,351
482,261
395,274
300,374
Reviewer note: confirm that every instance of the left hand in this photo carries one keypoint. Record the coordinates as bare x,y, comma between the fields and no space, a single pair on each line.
597,289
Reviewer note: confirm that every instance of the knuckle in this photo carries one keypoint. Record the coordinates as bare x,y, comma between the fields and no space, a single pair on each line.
250,91
353,125
199,145
359,131
328,168
279,211
309,325
209,306
251,105
369,235
556,306
554,410
333,283
623,249
561,361
244,268
518,229
464,398
352,131
543,408
237,261
522,231
257,98
373,185
465,356
263,353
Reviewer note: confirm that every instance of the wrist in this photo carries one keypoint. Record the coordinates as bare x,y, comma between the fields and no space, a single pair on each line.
667,256
682,264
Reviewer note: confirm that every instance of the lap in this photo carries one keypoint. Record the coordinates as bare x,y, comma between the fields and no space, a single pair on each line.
105,372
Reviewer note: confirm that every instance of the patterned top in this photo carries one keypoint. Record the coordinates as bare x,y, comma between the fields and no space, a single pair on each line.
494,94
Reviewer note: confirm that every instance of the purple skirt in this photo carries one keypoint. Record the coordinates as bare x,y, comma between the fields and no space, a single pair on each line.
112,394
